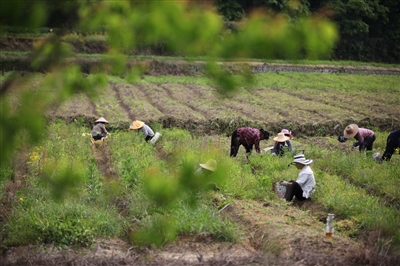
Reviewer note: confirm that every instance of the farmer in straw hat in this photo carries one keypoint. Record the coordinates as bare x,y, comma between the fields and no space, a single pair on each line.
147,131
365,137
392,143
205,170
247,136
304,186
99,130
280,141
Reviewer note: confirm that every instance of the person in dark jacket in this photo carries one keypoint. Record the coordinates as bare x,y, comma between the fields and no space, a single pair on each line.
392,143
247,136
99,130
279,144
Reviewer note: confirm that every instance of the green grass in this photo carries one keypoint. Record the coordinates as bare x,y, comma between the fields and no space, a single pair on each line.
349,185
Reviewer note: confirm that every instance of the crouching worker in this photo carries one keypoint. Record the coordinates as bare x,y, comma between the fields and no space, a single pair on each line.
247,136
365,137
147,131
99,130
392,143
304,186
205,170
279,144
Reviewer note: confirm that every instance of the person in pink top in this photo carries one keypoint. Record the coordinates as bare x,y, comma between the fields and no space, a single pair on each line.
365,137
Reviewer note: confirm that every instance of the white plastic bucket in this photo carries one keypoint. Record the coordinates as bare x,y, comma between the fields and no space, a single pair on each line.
155,138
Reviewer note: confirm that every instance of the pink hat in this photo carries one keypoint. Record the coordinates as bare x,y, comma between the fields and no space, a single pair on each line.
287,132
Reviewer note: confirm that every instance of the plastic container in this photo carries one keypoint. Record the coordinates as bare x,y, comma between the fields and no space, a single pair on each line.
280,190
330,230
155,138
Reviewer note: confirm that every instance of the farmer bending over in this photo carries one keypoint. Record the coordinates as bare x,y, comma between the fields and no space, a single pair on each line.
147,131
247,136
365,137
99,130
392,143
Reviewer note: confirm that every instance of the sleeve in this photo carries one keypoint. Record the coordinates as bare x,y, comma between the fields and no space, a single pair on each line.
302,179
289,144
257,145
103,129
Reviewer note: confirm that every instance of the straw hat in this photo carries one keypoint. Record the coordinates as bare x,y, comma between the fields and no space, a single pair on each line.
281,137
300,158
210,165
101,120
136,125
350,131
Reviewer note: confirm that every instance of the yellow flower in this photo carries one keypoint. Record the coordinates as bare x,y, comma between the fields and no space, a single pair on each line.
21,199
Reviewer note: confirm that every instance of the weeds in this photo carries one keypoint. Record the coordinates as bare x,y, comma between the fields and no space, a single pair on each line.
160,198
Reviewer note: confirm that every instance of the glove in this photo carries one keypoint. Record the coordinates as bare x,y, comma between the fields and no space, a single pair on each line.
341,139
356,144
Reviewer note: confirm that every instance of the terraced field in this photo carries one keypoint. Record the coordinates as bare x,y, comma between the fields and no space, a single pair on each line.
308,103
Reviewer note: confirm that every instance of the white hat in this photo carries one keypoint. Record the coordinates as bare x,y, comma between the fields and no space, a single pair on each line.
101,120
210,165
300,158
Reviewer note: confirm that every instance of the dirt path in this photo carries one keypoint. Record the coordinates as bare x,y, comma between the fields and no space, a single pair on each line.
271,238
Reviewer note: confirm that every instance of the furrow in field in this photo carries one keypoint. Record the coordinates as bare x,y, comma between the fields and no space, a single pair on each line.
207,99
78,105
355,105
289,108
159,97
151,99
125,106
186,96
107,105
136,103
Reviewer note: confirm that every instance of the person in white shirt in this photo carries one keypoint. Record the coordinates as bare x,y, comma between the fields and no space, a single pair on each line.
147,131
304,186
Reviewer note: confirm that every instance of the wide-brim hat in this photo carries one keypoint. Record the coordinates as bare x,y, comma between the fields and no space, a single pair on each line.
281,137
210,165
136,124
300,158
350,131
101,120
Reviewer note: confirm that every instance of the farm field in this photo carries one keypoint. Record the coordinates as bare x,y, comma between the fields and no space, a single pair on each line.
309,103
243,222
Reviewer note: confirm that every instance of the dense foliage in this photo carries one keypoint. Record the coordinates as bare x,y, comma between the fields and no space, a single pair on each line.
369,29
